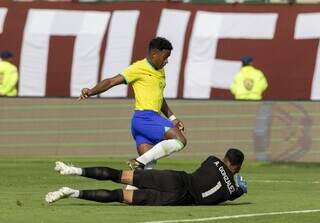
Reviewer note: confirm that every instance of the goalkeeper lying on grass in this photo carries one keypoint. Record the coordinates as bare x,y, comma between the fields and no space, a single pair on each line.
215,181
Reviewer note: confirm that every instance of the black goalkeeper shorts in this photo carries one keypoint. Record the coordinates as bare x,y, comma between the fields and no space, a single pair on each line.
161,187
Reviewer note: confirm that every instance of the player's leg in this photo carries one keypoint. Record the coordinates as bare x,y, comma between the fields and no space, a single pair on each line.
133,164
107,196
143,145
142,148
139,125
136,197
163,180
159,188
150,128
100,195
173,141
98,173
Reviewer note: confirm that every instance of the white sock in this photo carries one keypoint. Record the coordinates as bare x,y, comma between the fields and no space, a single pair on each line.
73,170
77,170
75,193
162,149
150,165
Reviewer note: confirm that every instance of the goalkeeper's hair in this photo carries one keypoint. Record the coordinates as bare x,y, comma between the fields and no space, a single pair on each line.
235,156
160,43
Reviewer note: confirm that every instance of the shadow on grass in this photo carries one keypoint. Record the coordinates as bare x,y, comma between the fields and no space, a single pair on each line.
122,205
235,204
90,205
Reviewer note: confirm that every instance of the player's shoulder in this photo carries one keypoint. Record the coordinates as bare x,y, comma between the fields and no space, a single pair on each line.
138,63
212,159
135,67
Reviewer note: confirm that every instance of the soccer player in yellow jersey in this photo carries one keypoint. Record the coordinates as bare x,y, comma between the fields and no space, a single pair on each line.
155,135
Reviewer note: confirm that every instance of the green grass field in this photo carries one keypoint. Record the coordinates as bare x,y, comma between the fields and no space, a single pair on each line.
272,188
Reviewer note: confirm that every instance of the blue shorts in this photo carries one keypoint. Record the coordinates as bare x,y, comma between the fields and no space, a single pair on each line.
149,127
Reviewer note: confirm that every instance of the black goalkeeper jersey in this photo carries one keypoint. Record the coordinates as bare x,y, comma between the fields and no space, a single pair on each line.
212,183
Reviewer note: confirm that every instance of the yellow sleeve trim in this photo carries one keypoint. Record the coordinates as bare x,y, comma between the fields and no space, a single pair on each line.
125,78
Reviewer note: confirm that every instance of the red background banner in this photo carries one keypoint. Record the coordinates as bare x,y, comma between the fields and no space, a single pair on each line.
288,63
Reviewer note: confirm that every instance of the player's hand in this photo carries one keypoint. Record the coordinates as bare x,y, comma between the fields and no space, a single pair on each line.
179,124
241,183
85,93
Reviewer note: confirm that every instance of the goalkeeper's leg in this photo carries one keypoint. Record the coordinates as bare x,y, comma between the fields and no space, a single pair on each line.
98,173
100,195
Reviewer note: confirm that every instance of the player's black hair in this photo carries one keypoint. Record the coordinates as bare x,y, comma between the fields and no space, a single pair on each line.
160,43
235,156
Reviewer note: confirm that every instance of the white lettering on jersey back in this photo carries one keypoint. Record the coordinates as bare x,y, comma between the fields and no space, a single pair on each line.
226,179
212,190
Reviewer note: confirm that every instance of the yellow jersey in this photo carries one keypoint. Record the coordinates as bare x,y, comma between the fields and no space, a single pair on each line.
8,79
148,85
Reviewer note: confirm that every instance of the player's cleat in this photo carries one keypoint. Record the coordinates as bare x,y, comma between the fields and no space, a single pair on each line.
63,192
135,165
65,169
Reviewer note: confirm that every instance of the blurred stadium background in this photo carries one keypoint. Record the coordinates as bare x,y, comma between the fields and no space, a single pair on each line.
266,130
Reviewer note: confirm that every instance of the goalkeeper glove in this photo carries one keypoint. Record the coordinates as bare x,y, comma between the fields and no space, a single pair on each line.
241,183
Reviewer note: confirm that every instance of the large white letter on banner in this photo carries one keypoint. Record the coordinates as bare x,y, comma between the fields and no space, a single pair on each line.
119,47
203,70
173,24
307,27
3,14
88,27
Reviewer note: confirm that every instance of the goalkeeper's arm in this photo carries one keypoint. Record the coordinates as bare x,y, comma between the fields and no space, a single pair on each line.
241,188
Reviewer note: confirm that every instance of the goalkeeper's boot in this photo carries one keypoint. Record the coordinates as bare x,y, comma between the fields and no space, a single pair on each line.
65,169
63,192
135,165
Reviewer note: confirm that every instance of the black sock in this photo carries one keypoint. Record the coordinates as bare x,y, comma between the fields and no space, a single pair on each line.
102,195
102,173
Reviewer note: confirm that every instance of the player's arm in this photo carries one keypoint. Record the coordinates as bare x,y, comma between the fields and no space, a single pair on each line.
102,86
165,109
238,193
241,188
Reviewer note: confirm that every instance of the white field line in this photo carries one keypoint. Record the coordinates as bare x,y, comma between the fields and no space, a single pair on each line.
235,216
284,181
